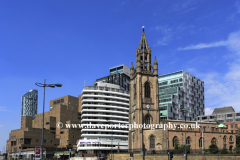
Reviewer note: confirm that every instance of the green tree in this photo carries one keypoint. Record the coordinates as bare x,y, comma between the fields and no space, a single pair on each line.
182,148
213,148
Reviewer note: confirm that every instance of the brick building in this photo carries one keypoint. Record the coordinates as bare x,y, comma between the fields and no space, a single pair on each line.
66,110
232,127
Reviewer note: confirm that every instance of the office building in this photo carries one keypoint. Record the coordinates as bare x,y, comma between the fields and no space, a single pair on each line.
29,104
119,75
103,104
180,90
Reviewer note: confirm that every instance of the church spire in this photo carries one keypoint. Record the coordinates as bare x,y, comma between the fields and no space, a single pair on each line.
143,42
143,54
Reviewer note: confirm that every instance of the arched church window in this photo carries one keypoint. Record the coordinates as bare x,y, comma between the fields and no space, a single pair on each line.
147,119
214,140
147,90
175,141
188,140
200,142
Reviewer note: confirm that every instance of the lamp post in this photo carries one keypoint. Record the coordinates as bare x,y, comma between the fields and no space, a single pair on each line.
184,110
44,86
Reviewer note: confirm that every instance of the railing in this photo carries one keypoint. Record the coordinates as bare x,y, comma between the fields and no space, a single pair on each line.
105,89
189,151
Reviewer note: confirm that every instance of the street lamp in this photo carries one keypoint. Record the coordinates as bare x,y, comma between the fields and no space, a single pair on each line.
45,85
184,110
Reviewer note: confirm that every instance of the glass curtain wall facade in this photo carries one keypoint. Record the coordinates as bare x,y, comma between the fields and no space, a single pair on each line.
29,103
180,90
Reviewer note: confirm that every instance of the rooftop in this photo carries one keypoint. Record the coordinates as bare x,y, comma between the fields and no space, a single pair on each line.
228,109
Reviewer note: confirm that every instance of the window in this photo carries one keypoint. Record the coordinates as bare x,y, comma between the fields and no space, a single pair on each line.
37,140
236,126
163,108
214,140
135,93
231,125
237,114
62,100
147,120
152,142
224,139
231,139
212,129
174,81
163,83
200,142
147,90
188,140
229,115
175,141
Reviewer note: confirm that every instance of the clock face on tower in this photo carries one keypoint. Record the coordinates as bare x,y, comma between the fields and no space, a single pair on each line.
148,106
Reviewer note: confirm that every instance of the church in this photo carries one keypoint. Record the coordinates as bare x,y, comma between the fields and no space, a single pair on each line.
144,110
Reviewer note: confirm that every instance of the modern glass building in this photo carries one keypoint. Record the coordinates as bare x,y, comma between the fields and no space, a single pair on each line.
180,90
29,103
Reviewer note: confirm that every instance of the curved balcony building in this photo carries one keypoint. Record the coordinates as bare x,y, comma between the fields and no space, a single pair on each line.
102,106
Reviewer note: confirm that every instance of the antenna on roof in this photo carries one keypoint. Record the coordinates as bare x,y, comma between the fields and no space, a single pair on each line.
84,83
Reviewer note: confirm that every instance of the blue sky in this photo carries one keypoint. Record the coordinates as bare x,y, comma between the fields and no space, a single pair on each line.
70,42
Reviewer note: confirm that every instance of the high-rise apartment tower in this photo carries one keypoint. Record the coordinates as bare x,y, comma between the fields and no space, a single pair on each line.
29,103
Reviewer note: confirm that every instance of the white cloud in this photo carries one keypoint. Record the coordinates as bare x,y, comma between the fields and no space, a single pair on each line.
205,45
208,111
181,6
2,109
166,35
232,43
222,89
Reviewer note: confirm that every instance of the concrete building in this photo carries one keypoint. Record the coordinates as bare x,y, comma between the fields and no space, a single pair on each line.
225,115
29,104
222,114
103,104
180,90
65,110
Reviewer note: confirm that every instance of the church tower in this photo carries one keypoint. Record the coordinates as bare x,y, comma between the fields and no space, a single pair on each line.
144,107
